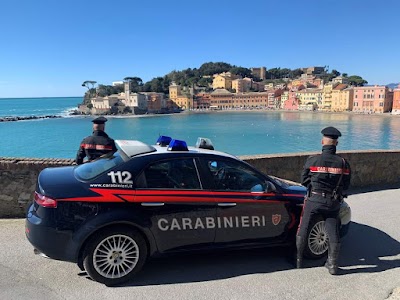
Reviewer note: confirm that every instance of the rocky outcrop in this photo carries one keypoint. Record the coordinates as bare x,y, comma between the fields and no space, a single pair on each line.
24,118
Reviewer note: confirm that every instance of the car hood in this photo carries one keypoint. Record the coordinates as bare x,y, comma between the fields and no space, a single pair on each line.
59,182
290,187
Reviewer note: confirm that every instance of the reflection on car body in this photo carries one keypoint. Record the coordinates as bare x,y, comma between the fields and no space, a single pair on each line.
110,215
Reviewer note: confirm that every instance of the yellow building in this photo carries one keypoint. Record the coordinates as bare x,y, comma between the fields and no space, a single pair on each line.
327,97
183,102
342,98
222,82
242,85
310,98
174,91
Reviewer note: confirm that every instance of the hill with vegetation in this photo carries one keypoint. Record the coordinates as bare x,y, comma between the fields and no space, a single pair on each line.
202,77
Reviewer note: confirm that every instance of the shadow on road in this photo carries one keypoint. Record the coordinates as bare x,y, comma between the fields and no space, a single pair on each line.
364,250
367,249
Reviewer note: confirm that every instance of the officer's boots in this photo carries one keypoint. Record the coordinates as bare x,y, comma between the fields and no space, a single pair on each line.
332,261
300,245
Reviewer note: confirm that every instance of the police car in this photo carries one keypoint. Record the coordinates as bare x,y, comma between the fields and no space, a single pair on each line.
110,215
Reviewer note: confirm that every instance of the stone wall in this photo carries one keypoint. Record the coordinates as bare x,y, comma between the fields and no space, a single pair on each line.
369,168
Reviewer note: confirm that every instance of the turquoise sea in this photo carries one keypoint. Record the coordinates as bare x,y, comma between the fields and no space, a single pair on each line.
235,132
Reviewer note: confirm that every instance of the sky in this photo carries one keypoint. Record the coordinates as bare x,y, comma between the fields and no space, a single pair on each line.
48,48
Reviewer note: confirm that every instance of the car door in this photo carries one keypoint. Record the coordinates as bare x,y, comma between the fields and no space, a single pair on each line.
171,192
248,209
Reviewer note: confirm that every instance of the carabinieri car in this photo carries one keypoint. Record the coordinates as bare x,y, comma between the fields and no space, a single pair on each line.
111,214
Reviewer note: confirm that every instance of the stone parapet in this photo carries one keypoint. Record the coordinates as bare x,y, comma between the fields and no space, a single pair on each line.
369,168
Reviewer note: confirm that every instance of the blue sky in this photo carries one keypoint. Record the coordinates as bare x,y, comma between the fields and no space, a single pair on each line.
48,48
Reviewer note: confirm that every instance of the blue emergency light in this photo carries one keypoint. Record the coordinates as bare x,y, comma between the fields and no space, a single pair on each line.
163,140
177,145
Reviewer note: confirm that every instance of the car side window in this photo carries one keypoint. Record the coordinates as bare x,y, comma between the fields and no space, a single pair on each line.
170,174
229,175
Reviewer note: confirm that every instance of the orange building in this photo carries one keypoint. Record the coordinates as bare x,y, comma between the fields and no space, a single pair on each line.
396,101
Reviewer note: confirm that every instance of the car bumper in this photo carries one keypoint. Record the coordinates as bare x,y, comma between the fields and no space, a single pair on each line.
345,218
47,240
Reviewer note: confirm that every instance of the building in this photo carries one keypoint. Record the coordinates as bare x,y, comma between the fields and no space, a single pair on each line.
134,100
202,101
314,70
327,97
310,99
259,72
183,102
396,101
340,79
292,103
284,98
274,98
243,85
174,91
221,98
342,98
222,81
115,83
252,100
372,99
156,102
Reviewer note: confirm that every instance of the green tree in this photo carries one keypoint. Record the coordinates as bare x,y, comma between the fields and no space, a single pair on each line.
357,80
336,73
135,83
243,72
89,84
211,68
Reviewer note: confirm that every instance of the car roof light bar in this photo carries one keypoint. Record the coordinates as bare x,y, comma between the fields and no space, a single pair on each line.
163,140
204,143
177,145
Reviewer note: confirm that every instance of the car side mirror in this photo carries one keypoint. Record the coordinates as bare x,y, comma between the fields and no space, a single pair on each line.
270,187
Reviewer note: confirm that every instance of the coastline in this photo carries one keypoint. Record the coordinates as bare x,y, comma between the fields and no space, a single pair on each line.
194,111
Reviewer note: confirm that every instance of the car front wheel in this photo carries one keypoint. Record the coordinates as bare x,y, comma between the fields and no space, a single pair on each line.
115,255
317,239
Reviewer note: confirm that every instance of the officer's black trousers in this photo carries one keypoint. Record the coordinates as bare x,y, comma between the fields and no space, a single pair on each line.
318,205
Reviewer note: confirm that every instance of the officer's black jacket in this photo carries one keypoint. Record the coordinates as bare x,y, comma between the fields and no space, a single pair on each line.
323,171
94,146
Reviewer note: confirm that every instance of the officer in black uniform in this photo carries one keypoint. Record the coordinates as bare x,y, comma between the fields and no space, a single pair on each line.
97,144
325,175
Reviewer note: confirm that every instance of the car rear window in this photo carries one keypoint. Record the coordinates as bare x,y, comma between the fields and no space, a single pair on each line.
93,169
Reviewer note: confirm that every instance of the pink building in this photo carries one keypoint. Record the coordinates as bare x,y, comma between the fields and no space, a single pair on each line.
292,103
372,99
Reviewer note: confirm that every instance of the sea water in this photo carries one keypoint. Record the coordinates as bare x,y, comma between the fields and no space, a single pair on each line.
235,132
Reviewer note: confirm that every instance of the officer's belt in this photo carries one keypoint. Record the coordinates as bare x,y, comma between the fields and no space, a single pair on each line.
322,193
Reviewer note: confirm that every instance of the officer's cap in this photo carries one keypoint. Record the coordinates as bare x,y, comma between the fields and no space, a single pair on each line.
99,120
331,132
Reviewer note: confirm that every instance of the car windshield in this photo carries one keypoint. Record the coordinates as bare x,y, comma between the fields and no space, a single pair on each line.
92,169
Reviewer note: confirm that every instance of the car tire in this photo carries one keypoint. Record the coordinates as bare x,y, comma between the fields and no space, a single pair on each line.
114,256
317,239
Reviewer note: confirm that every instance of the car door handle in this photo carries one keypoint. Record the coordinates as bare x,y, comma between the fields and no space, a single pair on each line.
152,203
227,204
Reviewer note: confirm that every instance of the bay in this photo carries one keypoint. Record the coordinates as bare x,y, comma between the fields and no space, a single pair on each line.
235,132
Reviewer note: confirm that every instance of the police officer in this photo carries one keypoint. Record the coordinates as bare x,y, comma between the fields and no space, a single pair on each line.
97,144
325,175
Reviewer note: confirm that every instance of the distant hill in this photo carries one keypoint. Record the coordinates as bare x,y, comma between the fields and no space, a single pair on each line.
393,85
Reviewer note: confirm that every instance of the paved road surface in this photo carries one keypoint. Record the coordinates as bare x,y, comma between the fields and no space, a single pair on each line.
370,259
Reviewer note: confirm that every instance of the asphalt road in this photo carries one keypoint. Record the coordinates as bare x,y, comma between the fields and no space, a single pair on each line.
370,261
